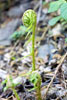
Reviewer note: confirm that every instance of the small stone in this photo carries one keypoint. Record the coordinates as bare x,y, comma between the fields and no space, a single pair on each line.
64,68
7,31
52,62
45,50
7,57
17,11
3,74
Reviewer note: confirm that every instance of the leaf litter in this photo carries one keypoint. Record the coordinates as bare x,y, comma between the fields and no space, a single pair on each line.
13,62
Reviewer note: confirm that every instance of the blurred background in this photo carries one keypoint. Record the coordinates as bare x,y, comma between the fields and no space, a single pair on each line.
50,46
11,12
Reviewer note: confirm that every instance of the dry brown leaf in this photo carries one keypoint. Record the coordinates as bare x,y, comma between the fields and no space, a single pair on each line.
58,56
2,98
1,52
58,35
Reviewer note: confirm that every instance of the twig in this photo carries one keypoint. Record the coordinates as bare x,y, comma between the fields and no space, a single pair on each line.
40,9
12,49
58,67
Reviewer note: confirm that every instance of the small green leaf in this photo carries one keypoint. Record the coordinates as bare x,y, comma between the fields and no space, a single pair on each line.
4,82
5,88
28,41
54,20
54,6
63,10
44,2
13,58
65,40
19,33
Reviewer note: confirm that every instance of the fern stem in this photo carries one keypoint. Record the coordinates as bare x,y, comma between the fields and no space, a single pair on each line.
33,43
38,93
16,95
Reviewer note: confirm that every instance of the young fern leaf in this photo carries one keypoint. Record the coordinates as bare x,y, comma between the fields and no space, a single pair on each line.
28,33
54,20
35,78
28,41
29,20
19,33
10,84
55,5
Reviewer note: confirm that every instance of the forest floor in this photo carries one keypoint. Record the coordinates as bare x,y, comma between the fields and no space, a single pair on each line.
50,54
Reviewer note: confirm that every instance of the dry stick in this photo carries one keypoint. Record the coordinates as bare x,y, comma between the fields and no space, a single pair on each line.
39,12
12,49
55,74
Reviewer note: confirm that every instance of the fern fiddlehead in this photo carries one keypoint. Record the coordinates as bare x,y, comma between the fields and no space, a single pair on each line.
35,78
29,20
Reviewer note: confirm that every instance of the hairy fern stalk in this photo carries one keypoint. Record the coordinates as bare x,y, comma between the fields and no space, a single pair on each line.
29,20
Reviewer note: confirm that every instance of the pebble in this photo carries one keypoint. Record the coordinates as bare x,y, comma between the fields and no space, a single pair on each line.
3,74
17,11
45,50
6,31
7,57
52,62
64,68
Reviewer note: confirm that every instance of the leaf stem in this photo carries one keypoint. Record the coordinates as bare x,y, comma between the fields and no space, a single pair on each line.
33,43
14,91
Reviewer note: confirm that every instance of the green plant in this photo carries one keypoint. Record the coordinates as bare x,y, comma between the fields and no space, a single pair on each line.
58,5
65,40
19,33
10,84
29,20
35,78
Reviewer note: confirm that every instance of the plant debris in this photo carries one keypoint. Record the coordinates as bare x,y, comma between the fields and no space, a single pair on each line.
49,78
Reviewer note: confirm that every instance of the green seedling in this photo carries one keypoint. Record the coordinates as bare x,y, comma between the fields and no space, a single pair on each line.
10,84
29,20
60,5
35,78
19,34
65,40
